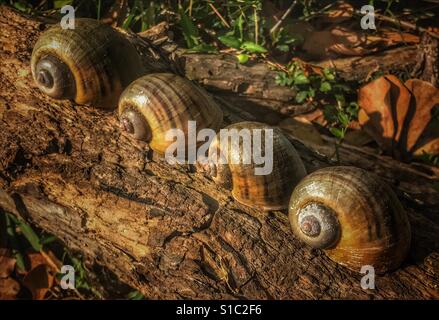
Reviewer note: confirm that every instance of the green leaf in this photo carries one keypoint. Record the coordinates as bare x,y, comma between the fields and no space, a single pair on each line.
283,47
340,99
344,119
19,260
341,87
301,96
330,113
325,87
301,79
253,47
48,239
337,132
239,30
190,31
22,6
29,234
128,20
353,109
329,74
230,41
58,4
243,58
283,79
135,295
14,243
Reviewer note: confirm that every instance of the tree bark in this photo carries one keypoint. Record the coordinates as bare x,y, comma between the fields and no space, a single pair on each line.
167,230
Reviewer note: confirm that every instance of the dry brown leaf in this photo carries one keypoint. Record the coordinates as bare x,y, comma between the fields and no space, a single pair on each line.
433,29
426,97
7,263
302,130
431,148
390,37
341,41
35,259
39,280
339,13
429,141
3,234
376,115
9,288
401,101
315,116
396,114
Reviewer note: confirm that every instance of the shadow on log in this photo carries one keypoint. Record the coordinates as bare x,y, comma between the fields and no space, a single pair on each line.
165,230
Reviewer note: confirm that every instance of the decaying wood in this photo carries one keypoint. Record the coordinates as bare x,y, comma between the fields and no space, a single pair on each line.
170,231
427,60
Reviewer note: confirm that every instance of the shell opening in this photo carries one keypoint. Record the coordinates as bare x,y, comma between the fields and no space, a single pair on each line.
318,225
132,122
54,78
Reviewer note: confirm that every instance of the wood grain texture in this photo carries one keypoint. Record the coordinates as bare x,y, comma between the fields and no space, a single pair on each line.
165,230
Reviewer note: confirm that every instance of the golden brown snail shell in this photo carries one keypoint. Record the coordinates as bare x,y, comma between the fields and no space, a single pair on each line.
156,103
353,215
90,64
265,192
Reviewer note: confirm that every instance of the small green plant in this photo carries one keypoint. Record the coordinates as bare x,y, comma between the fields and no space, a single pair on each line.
235,39
192,36
310,87
21,238
135,295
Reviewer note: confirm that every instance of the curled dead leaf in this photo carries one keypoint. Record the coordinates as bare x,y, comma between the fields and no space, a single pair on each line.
426,98
39,280
9,289
428,143
334,42
337,41
339,13
315,116
395,115
377,101
7,263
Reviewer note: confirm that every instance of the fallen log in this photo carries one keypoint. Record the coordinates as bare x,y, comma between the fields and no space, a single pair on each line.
167,230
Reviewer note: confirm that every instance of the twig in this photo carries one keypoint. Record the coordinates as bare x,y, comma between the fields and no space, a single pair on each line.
256,25
219,15
285,15
191,3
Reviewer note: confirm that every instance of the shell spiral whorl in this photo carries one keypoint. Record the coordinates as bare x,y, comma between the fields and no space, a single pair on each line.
90,64
156,103
266,192
353,215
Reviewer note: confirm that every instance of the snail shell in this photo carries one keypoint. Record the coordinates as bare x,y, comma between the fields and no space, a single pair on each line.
353,215
268,191
156,103
90,64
